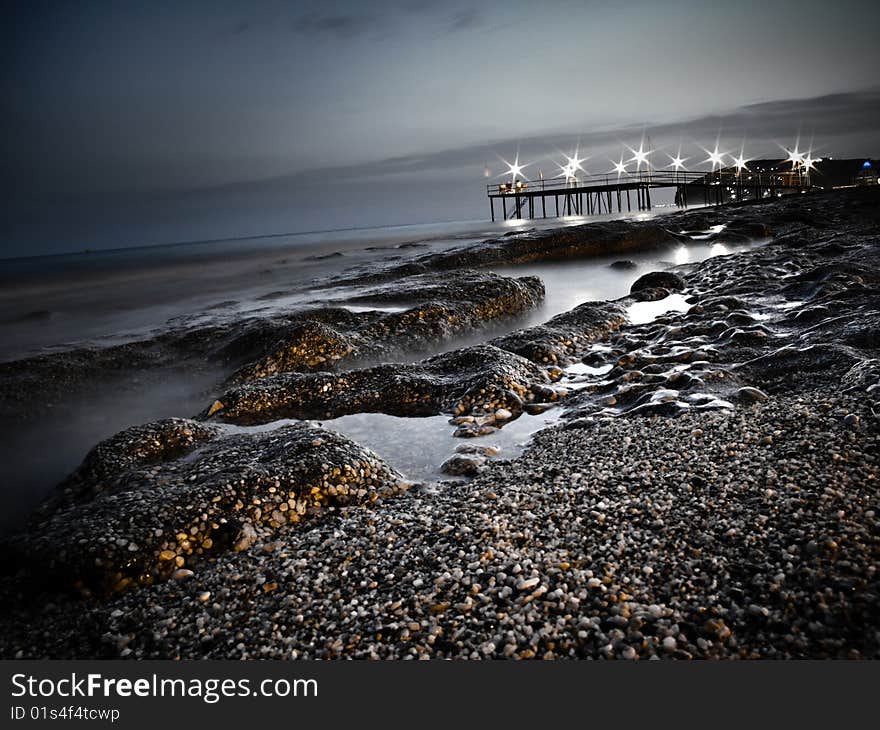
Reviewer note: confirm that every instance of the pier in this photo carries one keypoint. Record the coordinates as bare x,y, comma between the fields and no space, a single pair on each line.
598,194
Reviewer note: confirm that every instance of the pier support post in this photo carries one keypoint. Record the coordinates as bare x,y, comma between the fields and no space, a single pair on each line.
492,208
504,207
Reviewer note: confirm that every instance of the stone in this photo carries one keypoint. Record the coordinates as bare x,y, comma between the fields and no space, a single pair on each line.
748,394
658,279
462,464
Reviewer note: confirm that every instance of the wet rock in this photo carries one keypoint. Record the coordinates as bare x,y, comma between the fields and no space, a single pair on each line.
535,409
479,449
308,339
308,346
624,265
832,360
566,335
721,533
658,279
652,294
863,376
462,464
477,379
164,516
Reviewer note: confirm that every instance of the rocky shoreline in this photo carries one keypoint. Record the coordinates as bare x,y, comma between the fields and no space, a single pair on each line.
710,492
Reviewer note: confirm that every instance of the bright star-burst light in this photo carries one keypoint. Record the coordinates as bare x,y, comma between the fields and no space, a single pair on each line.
795,157
574,163
640,156
715,157
514,169
619,167
741,163
572,166
678,161
808,162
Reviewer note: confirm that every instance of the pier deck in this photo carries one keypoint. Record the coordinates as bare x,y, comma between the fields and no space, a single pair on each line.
597,194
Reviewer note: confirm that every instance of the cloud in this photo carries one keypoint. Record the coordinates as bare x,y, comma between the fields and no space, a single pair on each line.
465,20
339,25
828,119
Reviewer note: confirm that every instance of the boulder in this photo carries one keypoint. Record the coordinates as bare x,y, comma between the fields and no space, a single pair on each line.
658,279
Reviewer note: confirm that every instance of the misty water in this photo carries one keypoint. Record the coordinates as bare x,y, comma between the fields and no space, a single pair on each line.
102,299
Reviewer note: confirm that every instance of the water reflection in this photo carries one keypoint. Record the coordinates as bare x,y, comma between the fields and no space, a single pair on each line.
642,312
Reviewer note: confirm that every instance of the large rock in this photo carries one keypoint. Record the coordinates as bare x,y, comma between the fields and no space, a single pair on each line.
151,510
445,307
483,378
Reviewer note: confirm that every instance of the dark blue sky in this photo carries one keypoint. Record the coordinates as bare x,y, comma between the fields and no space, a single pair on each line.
118,98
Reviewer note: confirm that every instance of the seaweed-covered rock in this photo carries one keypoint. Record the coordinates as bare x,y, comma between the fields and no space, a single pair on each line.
167,513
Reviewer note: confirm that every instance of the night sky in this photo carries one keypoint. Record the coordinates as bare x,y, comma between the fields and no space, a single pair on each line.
132,123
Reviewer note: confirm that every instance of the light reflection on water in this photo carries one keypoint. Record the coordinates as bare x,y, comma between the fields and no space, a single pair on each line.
641,312
570,283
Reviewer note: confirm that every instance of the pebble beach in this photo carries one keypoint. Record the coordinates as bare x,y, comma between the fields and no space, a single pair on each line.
708,489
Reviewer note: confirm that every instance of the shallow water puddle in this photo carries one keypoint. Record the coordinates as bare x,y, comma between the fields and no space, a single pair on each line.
417,446
642,312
